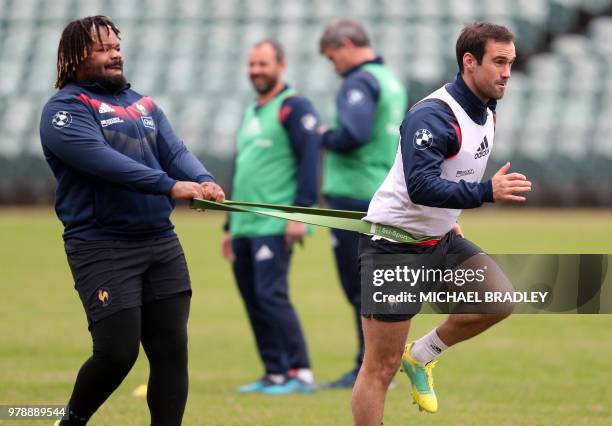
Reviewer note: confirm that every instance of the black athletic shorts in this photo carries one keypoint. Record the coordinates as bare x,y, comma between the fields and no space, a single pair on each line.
454,246
114,275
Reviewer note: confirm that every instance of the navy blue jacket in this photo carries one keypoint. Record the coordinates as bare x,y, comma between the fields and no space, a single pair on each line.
422,168
301,122
356,106
115,158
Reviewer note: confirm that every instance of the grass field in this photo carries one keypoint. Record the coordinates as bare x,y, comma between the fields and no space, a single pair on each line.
535,370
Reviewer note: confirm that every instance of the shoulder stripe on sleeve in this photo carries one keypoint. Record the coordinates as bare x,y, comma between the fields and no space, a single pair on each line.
459,138
284,113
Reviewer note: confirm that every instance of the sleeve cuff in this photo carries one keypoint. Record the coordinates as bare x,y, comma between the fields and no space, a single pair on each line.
487,196
205,178
165,184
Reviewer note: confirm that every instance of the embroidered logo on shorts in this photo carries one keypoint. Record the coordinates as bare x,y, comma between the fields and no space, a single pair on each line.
104,296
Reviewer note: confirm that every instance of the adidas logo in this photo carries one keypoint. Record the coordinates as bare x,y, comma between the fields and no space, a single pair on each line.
105,108
483,149
264,253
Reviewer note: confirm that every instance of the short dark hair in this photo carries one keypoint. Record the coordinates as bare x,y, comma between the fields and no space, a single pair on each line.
279,50
76,43
473,39
343,29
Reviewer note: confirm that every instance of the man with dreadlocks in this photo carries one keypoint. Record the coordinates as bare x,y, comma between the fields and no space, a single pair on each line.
119,167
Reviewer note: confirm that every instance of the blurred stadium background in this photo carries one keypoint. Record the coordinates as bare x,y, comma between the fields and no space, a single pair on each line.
190,55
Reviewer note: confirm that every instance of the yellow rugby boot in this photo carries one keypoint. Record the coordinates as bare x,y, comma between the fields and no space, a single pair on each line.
422,381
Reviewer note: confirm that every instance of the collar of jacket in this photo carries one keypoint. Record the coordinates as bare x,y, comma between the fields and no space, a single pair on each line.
469,101
258,105
376,60
98,88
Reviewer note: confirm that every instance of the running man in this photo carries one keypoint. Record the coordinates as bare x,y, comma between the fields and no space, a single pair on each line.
446,140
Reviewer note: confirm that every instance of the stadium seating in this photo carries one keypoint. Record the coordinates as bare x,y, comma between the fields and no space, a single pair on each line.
190,55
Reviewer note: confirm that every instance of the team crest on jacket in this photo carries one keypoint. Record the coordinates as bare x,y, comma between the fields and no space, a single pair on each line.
61,119
309,122
355,96
141,108
423,139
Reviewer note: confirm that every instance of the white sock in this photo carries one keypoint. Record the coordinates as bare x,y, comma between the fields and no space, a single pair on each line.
277,379
305,375
427,347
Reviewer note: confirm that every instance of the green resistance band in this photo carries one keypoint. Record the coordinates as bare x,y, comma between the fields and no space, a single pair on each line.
339,219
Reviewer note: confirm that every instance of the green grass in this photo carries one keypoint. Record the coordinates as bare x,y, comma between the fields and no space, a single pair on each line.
537,370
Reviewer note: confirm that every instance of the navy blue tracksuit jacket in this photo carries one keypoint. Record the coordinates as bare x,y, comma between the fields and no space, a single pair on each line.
115,157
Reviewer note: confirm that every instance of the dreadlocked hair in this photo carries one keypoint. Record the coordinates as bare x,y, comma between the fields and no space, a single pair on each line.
76,43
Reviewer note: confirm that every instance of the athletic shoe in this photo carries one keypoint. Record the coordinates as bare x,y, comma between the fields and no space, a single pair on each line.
292,385
345,382
257,386
422,381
